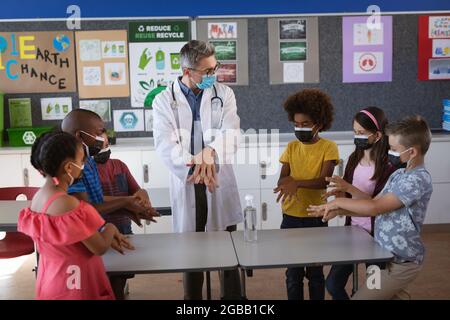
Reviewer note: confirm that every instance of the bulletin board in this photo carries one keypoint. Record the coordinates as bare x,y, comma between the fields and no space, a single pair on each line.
293,49
230,37
34,62
260,104
434,47
102,63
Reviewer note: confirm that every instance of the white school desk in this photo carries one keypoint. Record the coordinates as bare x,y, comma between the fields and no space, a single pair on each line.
303,247
175,252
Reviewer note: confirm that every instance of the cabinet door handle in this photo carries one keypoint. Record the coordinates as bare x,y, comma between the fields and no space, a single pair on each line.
341,168
145,173
264,211
26,177
263,165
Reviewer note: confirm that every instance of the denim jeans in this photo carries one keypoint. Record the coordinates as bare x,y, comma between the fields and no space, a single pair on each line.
294,276
338,277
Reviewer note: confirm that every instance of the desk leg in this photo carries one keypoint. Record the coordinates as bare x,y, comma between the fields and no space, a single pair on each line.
355,279
243,293
208,285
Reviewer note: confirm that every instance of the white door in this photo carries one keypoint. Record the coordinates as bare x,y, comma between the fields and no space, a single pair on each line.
271,213
32,177
133,160
11,174
155,173
246,168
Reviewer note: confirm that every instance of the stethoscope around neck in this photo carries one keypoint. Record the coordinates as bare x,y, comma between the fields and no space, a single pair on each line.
174,103
216,104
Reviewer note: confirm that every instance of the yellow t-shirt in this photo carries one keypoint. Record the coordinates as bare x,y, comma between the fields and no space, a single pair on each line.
306,162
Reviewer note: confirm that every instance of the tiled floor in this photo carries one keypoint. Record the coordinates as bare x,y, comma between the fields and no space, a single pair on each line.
433,282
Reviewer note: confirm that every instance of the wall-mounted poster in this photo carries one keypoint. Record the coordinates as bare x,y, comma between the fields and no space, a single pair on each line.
225,50
154,48
100,107
55,108
129,120
20,112
366,50
290,51
222,30
434,48
293,50
227,73
33,62
293,29
102,63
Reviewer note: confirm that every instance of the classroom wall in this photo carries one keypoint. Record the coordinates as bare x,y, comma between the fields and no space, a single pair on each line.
260,104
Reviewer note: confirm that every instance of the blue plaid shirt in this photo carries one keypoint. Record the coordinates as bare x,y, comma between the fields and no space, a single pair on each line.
90,182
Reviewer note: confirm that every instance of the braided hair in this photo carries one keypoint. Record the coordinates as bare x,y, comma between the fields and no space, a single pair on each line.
51,149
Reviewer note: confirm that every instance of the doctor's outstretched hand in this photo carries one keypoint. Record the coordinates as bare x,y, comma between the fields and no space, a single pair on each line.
205,169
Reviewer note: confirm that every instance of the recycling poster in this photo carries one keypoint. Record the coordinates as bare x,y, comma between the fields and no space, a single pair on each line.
154,51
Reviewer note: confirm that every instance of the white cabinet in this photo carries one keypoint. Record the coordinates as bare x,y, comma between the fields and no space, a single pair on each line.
437,161
155,172
31,177
164,225
438,210
246,168
136,229
270,166
271,213
133,160
11,174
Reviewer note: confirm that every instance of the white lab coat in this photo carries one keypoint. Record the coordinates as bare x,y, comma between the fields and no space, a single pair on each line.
224,208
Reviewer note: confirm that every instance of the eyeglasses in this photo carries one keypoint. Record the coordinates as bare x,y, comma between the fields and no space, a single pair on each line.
210,71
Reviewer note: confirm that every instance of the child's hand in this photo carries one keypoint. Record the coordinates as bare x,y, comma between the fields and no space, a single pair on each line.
333,192
327,211
121,242
287,188
338,183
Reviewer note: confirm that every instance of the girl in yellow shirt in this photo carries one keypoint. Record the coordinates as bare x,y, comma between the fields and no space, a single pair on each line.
306,163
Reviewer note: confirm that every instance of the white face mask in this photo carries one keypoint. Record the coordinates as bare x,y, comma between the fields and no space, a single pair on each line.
72,179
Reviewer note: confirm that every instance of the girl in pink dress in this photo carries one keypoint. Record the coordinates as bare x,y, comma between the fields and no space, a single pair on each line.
66,230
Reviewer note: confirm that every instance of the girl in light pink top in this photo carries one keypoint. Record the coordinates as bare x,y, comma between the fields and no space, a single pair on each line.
366,173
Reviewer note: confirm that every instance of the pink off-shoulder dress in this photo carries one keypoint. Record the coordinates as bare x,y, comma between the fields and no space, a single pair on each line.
67,270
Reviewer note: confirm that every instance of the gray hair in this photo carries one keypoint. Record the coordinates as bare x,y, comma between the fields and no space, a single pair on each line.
195,50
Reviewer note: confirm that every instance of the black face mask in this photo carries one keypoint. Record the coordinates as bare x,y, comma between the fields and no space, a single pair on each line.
103,156
304,134
91,151
362,142
394,159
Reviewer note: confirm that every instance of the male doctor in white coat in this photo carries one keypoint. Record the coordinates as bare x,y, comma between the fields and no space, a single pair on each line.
197,132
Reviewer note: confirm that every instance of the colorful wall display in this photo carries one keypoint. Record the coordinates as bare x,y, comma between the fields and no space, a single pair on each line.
366,51
102,63
100,107
154,48
34,62
20,112
230,40
128,120
434,48
55,108
293,50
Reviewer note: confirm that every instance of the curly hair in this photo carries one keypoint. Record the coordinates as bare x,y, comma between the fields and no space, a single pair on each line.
313,103
51,149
